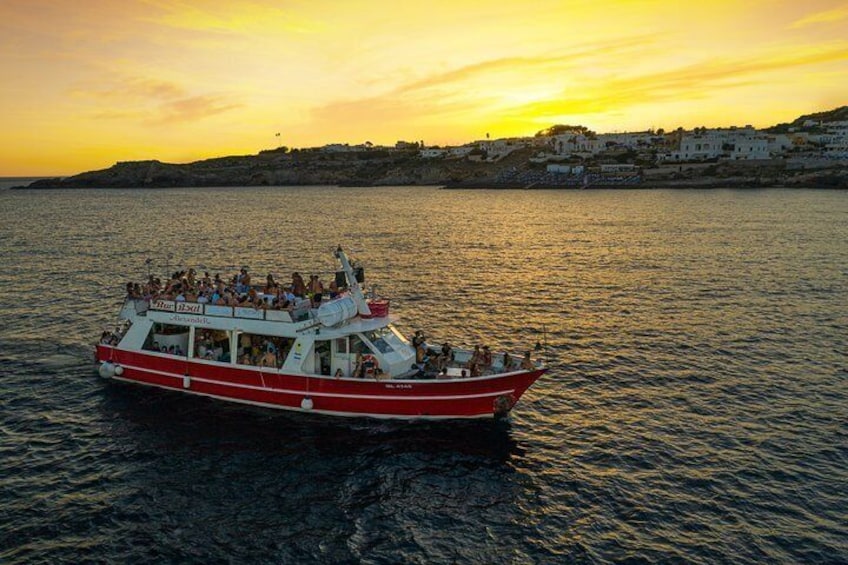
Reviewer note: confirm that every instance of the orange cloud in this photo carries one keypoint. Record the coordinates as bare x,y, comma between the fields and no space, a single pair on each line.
192,109
550,64
135,88
824,17
471,92
444,97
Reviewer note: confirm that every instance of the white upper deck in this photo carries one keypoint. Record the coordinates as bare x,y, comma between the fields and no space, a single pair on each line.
269,322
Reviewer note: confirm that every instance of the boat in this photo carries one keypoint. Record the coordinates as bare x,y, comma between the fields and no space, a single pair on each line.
343,356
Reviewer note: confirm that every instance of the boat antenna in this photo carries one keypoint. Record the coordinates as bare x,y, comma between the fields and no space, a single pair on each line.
355,290
147,262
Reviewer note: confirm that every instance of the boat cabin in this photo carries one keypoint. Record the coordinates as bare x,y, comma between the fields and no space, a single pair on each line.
328,341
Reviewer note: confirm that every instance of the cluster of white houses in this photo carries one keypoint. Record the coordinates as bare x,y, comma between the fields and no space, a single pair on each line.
828,139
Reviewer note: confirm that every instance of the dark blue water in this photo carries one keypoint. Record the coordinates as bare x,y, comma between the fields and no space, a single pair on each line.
696,409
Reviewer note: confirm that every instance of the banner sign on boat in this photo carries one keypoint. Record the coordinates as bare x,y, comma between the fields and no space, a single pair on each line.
166,305
190,320
190,307
248,313
215,310
277,316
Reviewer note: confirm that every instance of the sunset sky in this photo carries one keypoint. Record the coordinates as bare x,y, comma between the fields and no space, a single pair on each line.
88,83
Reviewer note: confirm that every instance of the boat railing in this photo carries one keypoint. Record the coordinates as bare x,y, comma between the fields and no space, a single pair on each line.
141,306
302,310
248,313
133,307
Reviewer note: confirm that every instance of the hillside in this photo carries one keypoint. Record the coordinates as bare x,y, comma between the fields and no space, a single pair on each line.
836,115
305,167
383,166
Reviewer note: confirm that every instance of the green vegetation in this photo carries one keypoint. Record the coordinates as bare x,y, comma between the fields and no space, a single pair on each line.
561,129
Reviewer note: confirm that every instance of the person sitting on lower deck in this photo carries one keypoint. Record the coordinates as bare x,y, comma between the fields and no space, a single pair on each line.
421,357
369,366
269,359
507,362
526,363
357,371
486,359
418,339
447,353
475,357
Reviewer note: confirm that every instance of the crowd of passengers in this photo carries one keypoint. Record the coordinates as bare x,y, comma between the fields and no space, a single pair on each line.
239,290
429,361
115,337
213,345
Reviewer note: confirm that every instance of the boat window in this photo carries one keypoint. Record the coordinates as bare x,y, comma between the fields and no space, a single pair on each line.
168,338
379,338
212,345
398,334
262,350
341,345
356,345
322,357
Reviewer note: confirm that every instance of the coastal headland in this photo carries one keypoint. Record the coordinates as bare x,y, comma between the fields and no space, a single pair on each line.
810,152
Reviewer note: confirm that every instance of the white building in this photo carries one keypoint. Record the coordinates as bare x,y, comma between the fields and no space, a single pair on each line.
749,148
500,148
631,140
460,151
432,153
731,143
779,143
567,144
699,147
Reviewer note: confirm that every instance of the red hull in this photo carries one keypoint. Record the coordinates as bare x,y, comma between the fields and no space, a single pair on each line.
466,398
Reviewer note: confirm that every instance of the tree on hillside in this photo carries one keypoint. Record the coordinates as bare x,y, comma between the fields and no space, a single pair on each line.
561,129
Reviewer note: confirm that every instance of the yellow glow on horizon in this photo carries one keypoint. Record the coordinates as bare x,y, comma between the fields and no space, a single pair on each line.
88,84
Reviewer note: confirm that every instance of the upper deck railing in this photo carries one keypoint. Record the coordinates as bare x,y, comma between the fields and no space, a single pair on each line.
301,311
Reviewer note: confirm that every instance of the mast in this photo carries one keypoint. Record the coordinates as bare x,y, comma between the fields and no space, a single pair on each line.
355,290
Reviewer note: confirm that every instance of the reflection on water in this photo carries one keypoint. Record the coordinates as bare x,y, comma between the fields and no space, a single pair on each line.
695,410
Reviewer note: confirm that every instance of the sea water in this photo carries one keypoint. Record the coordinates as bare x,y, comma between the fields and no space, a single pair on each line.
695,409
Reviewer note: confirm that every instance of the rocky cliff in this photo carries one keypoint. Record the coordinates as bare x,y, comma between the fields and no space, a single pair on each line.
381,167
305,167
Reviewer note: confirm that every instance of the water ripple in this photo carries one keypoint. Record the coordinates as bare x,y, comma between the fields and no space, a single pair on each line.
695,410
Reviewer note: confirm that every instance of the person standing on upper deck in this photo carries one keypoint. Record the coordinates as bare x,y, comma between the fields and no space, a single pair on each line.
298,286
316,287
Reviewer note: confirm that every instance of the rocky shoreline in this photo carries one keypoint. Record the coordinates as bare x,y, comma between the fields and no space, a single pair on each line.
408,168
270,168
